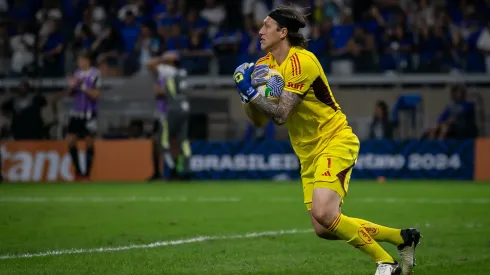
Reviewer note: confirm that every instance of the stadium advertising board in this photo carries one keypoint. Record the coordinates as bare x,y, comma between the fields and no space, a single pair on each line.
482,159
416,159
244,160
392,159
127,160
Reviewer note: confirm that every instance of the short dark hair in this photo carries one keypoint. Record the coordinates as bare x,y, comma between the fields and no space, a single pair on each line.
86,55
294,17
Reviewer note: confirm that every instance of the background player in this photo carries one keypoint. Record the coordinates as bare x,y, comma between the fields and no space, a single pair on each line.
84,88
172,116
320,135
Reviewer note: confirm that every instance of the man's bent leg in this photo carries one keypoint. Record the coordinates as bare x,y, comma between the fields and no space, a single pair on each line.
378,232
325,210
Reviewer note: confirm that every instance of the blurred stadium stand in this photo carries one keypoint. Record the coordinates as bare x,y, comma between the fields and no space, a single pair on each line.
371,50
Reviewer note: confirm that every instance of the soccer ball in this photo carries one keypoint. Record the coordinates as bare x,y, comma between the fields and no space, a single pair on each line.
272,89
274,86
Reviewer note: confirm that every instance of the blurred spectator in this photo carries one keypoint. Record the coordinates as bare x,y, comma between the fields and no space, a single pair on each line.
398,45
5,50
90,22
226,45
458,121
98,16
130,33
159,10
363,51
320,43
193,22
52,46
107,48
25,112
424,14
458,51
147,45
22,45
215,14
483,44
133,7
84,38
172,15
342,49
177,41
381,126
197,57
433,47
48,12
248,42
326,10
255,10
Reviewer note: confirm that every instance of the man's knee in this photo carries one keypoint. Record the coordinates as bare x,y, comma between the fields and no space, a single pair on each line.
325,216
325,207
321,231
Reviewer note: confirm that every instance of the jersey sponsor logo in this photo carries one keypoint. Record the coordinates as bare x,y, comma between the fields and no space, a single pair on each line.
296,86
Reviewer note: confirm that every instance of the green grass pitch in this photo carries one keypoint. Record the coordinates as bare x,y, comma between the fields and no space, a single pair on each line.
201,228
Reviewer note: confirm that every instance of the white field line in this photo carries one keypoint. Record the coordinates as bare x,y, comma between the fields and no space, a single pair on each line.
183,199
156,244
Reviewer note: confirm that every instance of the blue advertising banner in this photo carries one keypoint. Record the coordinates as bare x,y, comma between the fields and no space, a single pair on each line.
267,159
412,159
416,159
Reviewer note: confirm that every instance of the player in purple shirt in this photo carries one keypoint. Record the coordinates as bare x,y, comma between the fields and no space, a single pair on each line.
84,88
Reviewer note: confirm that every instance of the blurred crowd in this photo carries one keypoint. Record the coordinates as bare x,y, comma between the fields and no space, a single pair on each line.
349,36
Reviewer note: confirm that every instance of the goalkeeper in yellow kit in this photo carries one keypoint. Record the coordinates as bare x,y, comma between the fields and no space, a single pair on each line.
321,138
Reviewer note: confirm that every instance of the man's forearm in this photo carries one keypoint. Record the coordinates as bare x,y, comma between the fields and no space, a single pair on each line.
270,109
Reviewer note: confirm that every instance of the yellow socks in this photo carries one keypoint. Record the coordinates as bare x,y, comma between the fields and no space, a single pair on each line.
349,230
381,233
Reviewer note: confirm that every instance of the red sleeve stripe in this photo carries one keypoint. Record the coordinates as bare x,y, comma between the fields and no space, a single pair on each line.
295,64
294,71
296,58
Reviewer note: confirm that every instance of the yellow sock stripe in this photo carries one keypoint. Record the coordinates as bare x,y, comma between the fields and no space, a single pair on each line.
334,224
